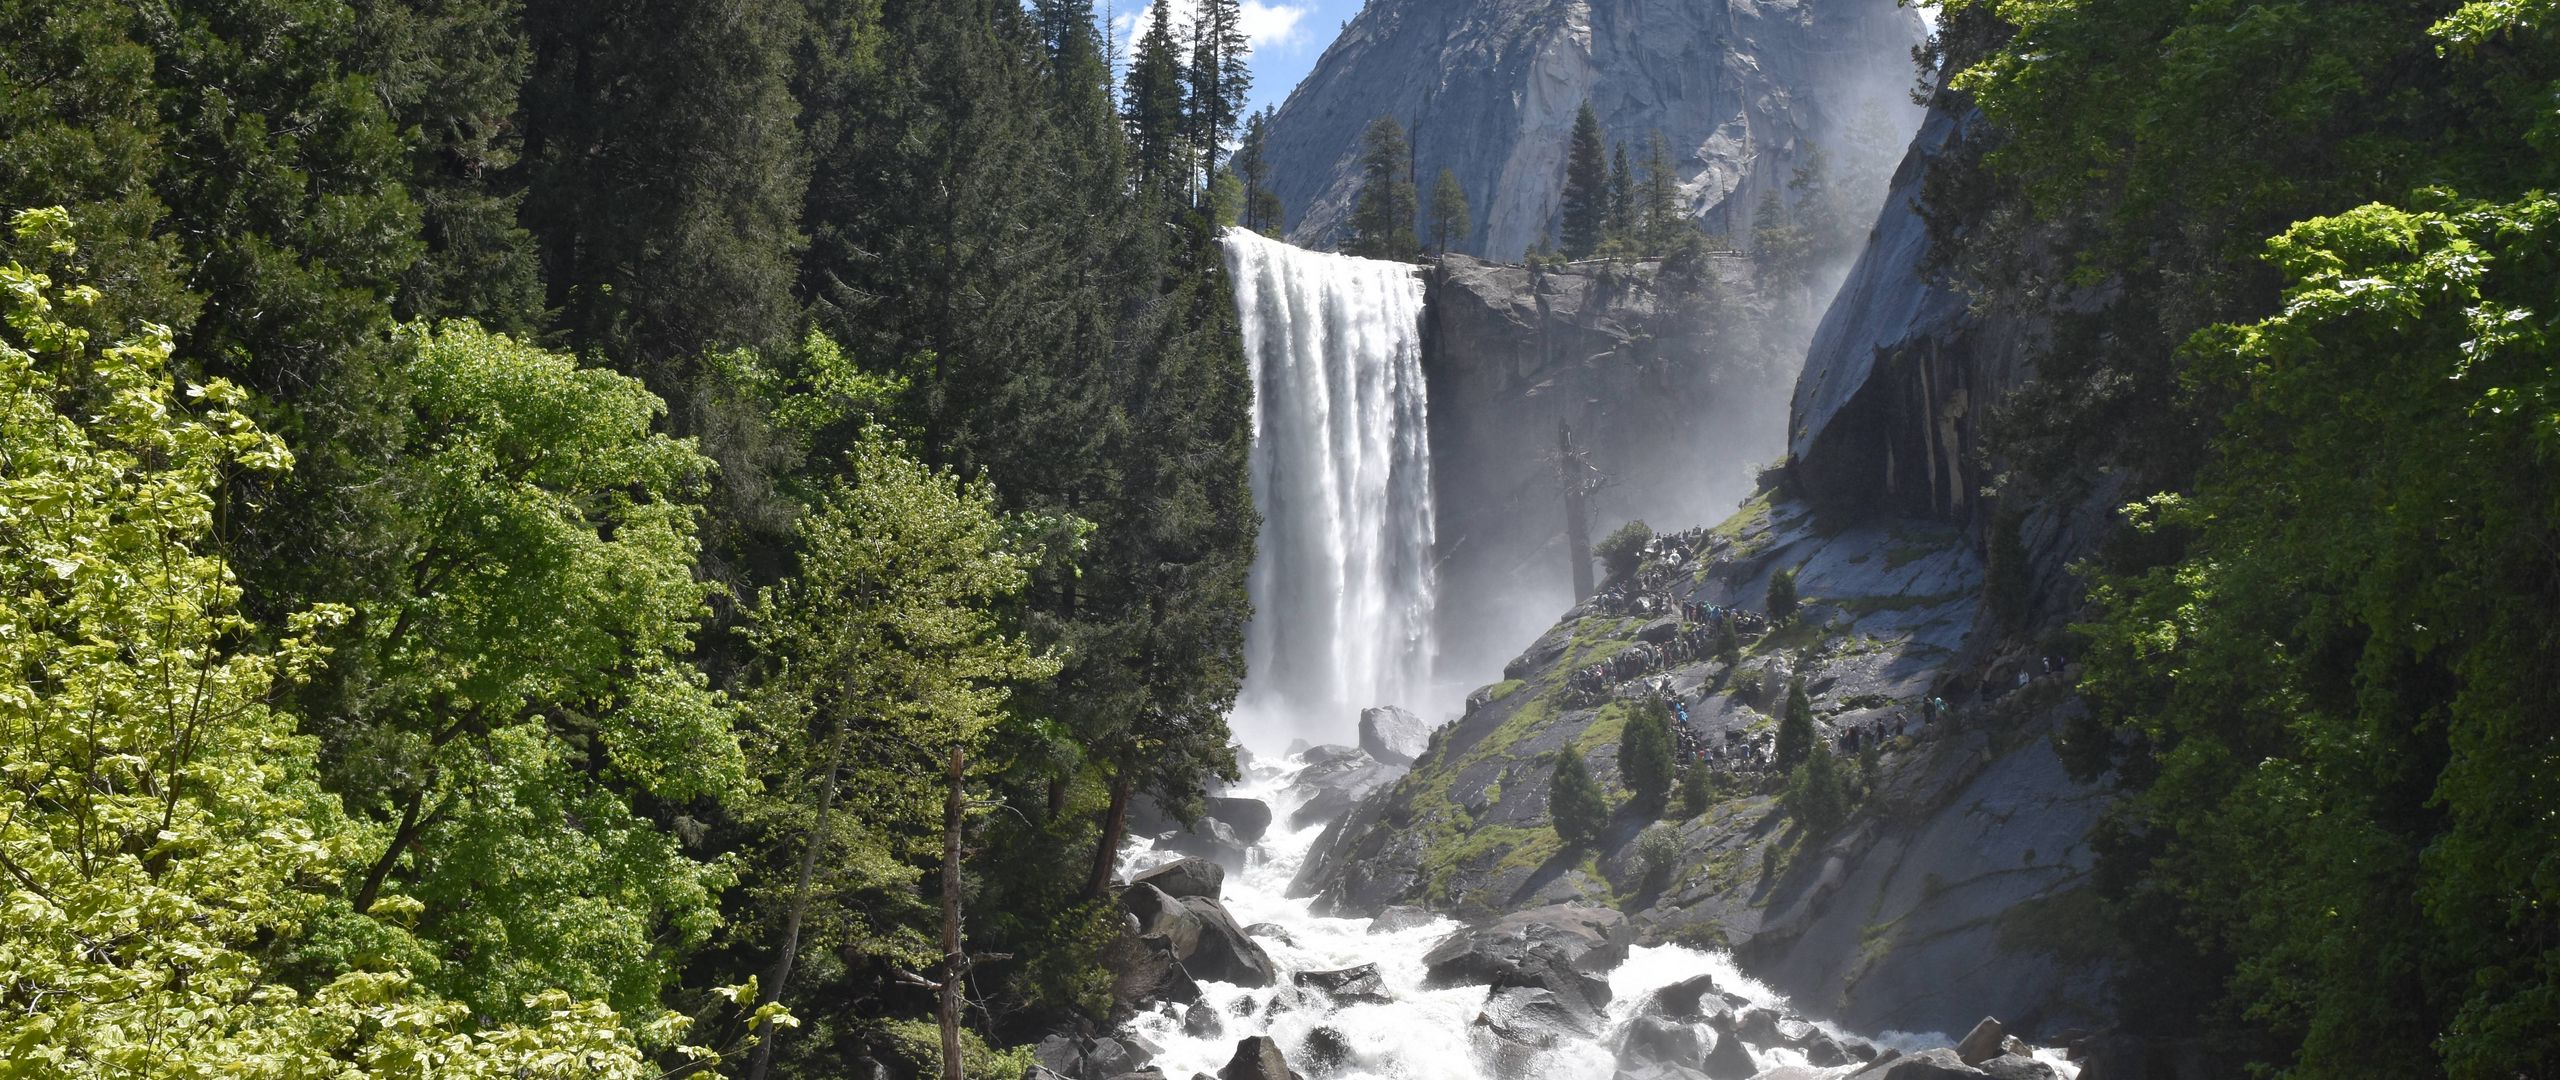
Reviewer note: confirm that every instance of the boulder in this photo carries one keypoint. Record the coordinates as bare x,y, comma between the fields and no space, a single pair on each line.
1759,1027
1684,1000
1335,780
1939,1064
1324,1052
1272,930
1185,878
1659,1071
2016,1066
1257,1058
1729,1060
1250,818
1563,948
1518,1024
1347,986
1392,735
1202,1022
1982,1043
1401,917
1159,915
1824,1052
1037,1072
1659,630
1652,1040
1090,1059
1224,953
1145,971
1210,839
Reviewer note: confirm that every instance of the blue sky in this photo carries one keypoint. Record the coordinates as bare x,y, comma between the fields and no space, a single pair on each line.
1287,37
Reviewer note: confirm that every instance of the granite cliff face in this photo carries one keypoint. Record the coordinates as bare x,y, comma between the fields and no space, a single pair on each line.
1744,91
1670,381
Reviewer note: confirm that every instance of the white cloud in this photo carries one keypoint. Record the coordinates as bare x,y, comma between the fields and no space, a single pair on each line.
1266,26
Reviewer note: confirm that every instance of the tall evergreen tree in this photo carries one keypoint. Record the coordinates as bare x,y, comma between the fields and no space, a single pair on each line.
1575,802
1262,211
1382,222
1658,220
1220,79
1796,735
1586,187
1622,196
1450,219
668,179
1152,106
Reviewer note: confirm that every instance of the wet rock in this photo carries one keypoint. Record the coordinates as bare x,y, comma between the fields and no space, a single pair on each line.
1401,917
1257,1058
1392,735
1824,1052
1982,1043
1210,839
1250,818
1202,1022
1563,948
1037,1072
1273,931
1159,915
1347,986
1759,1027
1652,1040
1659,1071
1324,1052
1185,878
1091,1059
1146,970
1335,780
1693,998
1729,1059
2018,1066
1224,953
1939,1064
1520,1023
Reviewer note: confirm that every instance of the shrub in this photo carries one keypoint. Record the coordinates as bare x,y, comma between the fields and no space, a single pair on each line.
1647,756
1623,551
1658,850
1697,790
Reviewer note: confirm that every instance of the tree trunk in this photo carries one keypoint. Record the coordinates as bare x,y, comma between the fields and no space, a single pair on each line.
1577,511
953,959
1115,821
799,913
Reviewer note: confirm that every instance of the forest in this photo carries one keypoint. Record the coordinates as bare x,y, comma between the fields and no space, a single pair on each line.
575,539
645,538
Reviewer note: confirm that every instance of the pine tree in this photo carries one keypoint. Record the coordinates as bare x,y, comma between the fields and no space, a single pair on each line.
1647,755
1260,209
1780,599
1622,197
1450,220
1796,735
1574,800
1818,791
1697,789
1382,222
1659,223
1586,187
1220,79
1152,107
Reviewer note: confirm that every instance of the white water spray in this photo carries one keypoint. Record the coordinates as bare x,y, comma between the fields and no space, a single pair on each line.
1342,581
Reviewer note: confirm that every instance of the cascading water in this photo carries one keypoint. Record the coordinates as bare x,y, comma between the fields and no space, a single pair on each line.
1342,581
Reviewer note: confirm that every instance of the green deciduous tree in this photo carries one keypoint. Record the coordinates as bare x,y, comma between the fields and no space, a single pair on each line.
1622,551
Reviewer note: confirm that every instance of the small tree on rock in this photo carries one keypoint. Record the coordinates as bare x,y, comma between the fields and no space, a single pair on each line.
1623,551
1697,790
1382,223
1782,598
1818,792
1574,799
1586,188
1647,757
1796,736
1451,221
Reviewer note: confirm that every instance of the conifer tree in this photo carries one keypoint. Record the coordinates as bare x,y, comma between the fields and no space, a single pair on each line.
1796,735
1152,107
1574,800
1658,220
1450,220
1220,79
1586,187
1260,208
1622,197
1648,756
1382,222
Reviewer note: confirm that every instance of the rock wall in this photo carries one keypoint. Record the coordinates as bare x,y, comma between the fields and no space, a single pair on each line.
1743,91
1673,385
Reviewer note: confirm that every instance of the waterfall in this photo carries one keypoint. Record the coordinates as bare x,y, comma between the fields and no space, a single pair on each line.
1342,580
